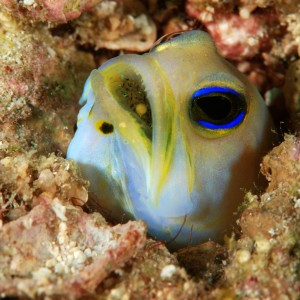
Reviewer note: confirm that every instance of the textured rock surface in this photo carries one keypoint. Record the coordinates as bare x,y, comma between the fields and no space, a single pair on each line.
264,262
58,250
41,79
50,246
47,10
116,25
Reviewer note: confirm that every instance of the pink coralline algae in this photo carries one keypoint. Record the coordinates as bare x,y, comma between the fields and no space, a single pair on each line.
48,10
256,38
237,36
75,251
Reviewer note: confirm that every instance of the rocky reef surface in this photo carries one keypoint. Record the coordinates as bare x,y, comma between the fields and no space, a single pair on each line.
51,245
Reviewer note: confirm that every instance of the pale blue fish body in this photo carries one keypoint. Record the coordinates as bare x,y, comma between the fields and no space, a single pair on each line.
171,137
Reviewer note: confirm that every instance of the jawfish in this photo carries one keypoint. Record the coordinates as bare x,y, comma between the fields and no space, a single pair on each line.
172,137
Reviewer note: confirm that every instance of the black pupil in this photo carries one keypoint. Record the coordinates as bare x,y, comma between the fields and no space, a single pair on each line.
216,107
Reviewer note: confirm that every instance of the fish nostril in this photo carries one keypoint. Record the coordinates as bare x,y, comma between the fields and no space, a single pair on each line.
128,89
104,127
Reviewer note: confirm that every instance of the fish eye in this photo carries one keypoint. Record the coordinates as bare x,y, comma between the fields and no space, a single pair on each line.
218,108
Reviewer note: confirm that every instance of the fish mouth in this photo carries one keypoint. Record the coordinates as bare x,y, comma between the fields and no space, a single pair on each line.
148,138
128,89
145,110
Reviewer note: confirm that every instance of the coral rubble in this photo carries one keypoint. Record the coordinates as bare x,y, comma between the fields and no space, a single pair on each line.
41,79
116,25
45,10
264,262
50,246
57,249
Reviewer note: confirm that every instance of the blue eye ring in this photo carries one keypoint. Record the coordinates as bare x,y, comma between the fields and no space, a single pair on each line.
229,125
214,89
218,108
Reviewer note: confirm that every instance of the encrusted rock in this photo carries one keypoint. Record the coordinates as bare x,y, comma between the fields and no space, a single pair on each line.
47,10
116,25
264,262
60,250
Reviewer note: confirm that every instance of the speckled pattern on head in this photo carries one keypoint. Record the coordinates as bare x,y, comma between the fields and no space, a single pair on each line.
171,137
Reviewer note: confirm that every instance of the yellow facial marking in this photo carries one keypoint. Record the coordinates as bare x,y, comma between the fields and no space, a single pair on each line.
91,112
